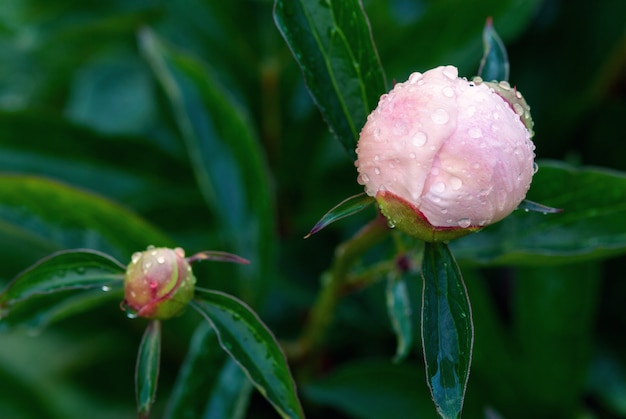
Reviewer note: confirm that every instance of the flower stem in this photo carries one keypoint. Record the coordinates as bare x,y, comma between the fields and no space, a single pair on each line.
335,282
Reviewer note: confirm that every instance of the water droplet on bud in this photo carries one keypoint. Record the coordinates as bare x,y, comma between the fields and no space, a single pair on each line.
440,116
464,222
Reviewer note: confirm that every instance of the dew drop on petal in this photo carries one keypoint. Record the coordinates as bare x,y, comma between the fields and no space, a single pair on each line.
414,77
464,222
450,72
535,168
505,85
447,91
136,256
161,260
456,183
419,139
438,187
440,116
518,109
475,132
377,170
412,155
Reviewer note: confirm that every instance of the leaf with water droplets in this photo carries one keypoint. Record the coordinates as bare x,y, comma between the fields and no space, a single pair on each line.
253,346
495,62
58,286
345,208
147,368
332,42
447,329
63,271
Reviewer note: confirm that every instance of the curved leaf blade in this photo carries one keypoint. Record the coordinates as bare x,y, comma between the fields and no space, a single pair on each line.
190,393
332,42
147,368
495,62
231,395
447,329
47,216
345,208
253,346
63,271
224,153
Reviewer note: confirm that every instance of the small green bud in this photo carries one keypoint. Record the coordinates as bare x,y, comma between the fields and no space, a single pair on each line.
159,283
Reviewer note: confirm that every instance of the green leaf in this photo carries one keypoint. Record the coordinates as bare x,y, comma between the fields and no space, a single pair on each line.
345,208
196,376
223,151
332,42
458,44
554,320
447,329
231,395
39,311
147,368
591,226
399,309
41,216
495,62
63,271
251,344
374,389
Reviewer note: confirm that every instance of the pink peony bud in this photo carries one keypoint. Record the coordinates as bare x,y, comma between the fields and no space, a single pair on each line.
159,283
444,156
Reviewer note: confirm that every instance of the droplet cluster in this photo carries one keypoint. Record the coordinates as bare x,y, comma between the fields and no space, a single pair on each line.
459,151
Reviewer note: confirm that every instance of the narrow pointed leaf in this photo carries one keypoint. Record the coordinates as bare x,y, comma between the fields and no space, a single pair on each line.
345,208
231,395
399,309
495,62
447,329
196,376
63,271
147,368
253,346
332,42
40,216
224,153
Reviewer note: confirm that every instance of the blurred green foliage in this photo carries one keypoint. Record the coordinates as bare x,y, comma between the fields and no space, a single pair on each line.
91,129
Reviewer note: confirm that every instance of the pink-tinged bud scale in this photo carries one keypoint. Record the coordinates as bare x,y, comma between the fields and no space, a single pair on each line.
158,284
444,156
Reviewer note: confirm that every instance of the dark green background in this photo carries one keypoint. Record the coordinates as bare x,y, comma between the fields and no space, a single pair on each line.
81,104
